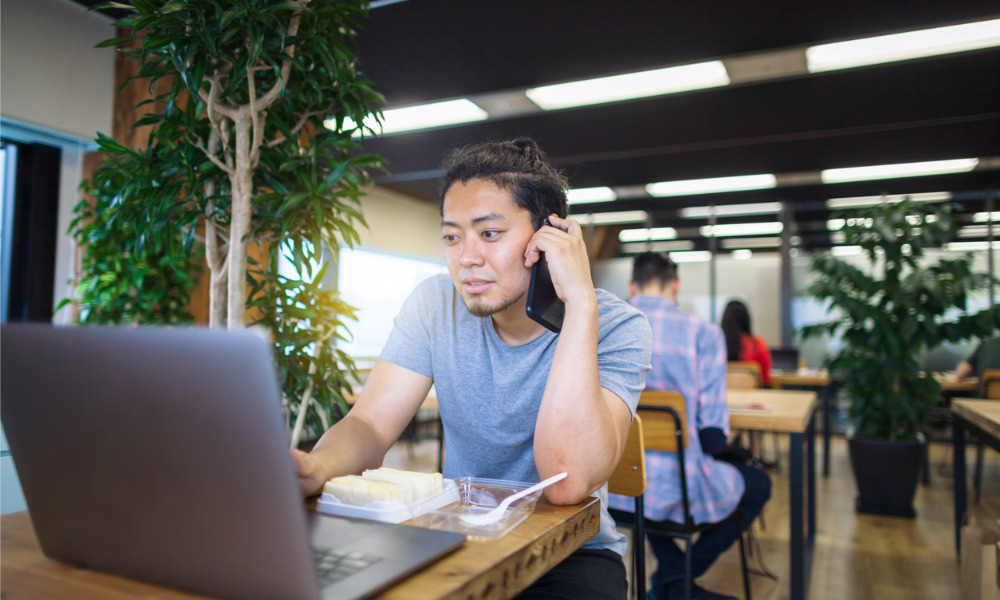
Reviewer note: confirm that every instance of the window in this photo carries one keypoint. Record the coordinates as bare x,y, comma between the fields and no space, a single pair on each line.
376,283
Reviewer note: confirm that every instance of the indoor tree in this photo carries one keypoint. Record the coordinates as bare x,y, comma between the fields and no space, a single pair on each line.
250,146
889,309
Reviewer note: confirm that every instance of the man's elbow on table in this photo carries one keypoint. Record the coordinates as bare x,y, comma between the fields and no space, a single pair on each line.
571,490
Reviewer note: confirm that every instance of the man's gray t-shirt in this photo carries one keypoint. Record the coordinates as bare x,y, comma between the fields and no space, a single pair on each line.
489,392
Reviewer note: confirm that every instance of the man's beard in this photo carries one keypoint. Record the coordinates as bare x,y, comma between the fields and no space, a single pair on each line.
480,308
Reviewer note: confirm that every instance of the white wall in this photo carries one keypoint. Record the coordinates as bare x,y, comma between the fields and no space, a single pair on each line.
51,75
400,223
755,281
56,89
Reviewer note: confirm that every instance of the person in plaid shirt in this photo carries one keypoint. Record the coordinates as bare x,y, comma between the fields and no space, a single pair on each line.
689,356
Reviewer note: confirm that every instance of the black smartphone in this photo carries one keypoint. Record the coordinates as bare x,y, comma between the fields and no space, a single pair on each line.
543,305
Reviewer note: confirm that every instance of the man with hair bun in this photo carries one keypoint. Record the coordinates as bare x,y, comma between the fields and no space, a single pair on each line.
517,401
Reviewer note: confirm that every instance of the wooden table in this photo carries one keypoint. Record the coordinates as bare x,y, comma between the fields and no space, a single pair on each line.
818,379
494,570
790,412
983,418
948,383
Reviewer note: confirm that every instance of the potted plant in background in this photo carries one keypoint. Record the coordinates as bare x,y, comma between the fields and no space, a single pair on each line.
889,311
238,157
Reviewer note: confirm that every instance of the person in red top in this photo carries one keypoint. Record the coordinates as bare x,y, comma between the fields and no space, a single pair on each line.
741,343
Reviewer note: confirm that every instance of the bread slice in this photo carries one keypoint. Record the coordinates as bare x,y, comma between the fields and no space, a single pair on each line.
353,489
424,485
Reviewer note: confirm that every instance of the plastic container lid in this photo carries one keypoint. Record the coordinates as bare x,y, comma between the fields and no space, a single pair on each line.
478,496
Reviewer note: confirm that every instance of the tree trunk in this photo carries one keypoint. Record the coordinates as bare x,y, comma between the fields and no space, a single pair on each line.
242,186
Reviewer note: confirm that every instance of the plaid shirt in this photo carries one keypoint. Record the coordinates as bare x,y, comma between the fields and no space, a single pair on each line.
689,356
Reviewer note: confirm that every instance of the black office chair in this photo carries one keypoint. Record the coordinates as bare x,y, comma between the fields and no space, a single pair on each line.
664,428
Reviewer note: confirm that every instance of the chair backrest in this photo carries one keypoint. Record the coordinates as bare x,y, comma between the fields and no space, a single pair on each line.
743,375
629,478
658,428
989,384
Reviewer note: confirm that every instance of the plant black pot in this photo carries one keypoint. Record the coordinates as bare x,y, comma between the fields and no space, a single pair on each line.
887,473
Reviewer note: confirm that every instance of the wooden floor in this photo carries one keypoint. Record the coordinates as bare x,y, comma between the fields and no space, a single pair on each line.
857,556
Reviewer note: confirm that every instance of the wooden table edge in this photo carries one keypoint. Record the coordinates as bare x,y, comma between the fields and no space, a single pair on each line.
969,409
511,575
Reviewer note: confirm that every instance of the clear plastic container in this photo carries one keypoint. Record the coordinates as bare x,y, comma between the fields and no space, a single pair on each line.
478,496
390,512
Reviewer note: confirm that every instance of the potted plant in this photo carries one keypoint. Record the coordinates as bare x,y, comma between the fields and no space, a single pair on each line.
250,147
888,312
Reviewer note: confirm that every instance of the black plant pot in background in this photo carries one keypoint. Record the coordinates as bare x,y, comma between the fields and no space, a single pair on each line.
887,473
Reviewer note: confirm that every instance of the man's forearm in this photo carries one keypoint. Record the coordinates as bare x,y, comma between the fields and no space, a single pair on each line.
576,430
349,447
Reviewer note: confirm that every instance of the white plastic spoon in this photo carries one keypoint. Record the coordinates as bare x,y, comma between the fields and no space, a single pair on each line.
495,514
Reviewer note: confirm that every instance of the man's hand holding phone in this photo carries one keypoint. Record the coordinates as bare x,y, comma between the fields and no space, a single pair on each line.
560,272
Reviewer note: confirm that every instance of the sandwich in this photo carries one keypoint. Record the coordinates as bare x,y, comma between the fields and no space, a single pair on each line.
384,485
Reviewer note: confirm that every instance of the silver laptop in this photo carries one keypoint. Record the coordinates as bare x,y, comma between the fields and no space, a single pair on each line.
161,455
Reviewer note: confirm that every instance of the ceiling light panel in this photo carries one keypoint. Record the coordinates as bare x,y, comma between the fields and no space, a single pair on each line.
647,235
612,218
422,116
758,242
864,201
628,86
731,210
594,194
690,187
731,229
917,169
986,217
640,247
971,246
903,46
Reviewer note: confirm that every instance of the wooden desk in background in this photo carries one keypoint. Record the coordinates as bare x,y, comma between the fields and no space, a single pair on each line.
494,570
818,379
983,418
791,412
948,383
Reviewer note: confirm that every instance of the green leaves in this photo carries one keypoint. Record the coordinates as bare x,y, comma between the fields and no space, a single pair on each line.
211,57
890,312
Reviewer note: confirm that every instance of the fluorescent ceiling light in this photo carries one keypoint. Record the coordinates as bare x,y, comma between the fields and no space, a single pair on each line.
974,231
714,185
421,116
970,246
642,84
985,217
760,242
640,247
917,169
729,229
835,224
846,250
742,254
647,235
611,218
593,194
691,257
862,201
903,46
731,210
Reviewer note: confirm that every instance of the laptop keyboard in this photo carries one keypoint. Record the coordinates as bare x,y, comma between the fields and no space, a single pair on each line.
334,565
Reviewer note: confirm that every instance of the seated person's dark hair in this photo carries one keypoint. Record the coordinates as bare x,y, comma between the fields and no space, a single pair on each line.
650,267
517,166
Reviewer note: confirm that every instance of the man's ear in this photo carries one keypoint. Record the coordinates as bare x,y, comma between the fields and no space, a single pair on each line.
675,286
631,289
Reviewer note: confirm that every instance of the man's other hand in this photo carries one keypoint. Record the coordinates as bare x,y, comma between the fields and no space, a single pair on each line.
311,478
